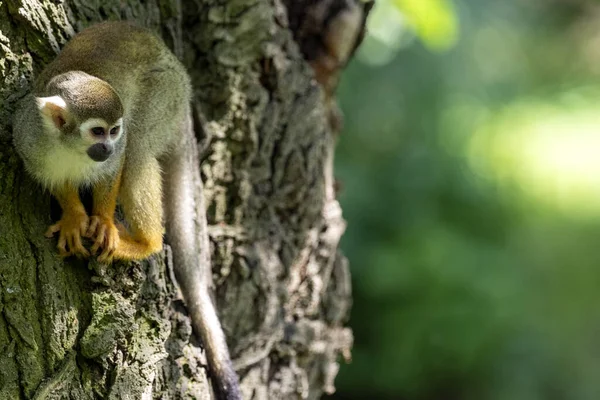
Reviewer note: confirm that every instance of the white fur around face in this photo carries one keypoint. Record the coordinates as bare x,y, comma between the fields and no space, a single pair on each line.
62,164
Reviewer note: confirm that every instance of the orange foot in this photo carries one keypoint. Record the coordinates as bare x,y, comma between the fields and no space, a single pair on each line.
106,236
71,227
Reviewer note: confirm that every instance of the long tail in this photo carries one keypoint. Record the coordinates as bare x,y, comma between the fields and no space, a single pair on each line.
188,238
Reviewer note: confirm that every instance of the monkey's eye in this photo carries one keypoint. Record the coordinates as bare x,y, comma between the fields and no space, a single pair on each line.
98,131
114,130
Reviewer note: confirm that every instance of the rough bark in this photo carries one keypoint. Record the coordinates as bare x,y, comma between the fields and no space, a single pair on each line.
74,329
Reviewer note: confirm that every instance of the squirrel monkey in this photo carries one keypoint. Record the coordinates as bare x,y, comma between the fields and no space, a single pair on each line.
112,113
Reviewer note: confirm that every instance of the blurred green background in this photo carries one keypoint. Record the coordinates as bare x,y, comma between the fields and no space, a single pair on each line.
470,173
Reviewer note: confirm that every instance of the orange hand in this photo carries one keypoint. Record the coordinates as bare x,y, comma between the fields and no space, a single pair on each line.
116,242
102,228
105,234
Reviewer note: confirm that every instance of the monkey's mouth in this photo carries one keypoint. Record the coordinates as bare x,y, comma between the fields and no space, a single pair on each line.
100,151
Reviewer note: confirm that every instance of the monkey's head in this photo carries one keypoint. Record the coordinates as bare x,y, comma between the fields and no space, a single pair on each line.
84,114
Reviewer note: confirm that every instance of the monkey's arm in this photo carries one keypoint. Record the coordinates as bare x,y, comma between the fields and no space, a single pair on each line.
73,222
138,187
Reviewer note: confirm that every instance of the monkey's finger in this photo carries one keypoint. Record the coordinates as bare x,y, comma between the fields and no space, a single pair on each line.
83,226
52,229
92,227
61,246
64,253
104,255
109,245
105,258
99,239
78,248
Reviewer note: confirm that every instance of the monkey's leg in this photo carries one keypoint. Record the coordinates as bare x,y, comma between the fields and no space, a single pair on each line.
73,222
102,227
141,198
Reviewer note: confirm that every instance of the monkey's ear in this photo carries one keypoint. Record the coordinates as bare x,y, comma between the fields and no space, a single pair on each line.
54,110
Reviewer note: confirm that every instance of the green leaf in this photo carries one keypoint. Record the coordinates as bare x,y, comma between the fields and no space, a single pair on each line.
434,21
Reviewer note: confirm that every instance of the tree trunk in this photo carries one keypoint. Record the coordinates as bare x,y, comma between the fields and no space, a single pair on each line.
72,329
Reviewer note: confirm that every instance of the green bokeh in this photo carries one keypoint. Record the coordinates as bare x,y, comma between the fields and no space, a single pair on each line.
468,283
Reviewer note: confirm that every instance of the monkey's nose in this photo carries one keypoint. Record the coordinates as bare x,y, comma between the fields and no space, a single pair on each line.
100,151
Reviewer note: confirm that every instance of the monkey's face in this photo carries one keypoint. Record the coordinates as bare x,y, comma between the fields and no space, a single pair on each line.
89,139
82,130
101,137
86,116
